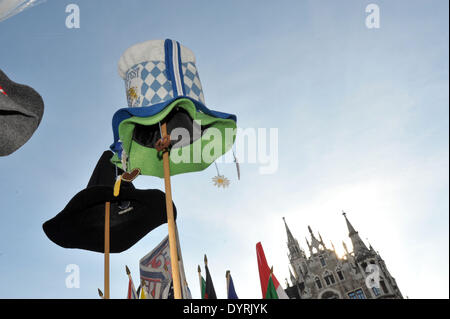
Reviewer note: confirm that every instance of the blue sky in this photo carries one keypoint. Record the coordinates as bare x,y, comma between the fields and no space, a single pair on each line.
362,116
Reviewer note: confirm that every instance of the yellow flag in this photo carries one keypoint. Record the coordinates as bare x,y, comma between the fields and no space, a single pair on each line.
143,295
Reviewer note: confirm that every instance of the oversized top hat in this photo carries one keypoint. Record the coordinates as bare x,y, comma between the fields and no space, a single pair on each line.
21,110
133,213
163,85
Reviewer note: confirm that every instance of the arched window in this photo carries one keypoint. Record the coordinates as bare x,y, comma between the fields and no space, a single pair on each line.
318,283
329,278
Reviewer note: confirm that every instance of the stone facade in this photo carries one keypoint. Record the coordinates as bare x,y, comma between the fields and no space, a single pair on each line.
324,275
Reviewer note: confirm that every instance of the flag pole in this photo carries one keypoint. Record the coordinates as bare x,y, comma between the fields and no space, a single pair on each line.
171,220
200,280
127,270
107,212
227,275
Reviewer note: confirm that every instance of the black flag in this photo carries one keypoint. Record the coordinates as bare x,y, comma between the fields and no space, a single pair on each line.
210,293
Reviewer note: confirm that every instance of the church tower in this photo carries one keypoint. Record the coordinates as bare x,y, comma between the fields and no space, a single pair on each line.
296,254
360,274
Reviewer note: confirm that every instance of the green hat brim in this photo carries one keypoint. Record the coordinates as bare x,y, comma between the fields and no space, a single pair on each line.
218,138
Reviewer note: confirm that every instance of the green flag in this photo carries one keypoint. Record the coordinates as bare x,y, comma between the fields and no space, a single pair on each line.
271,292
203,287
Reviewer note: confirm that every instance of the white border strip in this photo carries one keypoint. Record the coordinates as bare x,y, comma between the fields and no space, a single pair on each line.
176,68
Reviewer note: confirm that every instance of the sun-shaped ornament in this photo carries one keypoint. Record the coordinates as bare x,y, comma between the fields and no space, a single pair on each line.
221,181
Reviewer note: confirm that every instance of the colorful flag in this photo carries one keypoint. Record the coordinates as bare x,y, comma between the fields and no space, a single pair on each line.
210,293
154,270
230,287
271,292
264,275
203,287
143,294
156,273
132,294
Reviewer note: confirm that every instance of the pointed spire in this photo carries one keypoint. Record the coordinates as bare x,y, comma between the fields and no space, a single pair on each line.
370,245
288,232
322,242
313,238
345,248
295,251
309,245
359,247
332,246
351,230
315,243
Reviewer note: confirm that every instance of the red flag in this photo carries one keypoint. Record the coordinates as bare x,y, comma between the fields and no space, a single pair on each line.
264,274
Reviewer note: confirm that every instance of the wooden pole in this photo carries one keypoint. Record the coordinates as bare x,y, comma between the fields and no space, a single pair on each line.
227,276
200,280
107,212
171,221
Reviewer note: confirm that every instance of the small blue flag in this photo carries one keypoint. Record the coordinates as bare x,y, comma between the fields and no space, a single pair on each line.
231,292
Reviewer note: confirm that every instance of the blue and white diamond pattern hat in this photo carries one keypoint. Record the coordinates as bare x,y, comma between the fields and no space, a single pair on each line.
150,79
160,75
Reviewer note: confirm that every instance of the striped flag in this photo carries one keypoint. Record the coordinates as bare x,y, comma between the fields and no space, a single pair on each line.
266,277
132,294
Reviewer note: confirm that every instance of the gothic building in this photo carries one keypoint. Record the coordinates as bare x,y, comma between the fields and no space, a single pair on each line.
360,274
